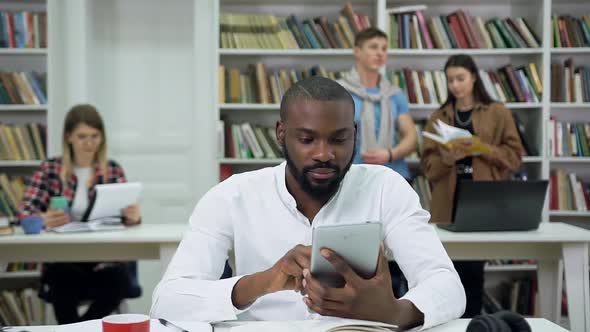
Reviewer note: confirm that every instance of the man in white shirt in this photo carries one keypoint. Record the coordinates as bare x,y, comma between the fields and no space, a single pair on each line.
262,221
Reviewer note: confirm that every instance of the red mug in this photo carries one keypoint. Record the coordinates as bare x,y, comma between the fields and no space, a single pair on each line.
126,323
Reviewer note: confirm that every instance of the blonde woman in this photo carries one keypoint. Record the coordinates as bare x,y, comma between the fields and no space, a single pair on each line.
83,165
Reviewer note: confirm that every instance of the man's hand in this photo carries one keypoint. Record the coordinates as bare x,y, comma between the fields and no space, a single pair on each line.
366,299
285,274
54,218
376,156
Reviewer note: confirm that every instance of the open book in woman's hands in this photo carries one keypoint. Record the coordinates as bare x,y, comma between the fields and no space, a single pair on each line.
452,137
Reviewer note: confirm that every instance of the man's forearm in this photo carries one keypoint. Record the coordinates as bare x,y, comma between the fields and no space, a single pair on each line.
249,288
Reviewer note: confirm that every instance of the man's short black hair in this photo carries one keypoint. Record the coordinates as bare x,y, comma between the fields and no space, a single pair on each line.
368,33
315,88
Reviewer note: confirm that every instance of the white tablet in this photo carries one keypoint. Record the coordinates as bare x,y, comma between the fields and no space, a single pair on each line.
358,244
112,198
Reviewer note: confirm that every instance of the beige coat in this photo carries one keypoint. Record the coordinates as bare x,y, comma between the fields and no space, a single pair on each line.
494,125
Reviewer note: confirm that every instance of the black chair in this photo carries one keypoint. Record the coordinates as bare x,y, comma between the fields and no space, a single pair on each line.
227,271
134,291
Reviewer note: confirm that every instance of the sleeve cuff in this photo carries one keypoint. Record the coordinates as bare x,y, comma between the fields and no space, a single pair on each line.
422,303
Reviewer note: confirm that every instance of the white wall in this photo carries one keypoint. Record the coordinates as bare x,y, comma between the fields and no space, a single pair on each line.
147,65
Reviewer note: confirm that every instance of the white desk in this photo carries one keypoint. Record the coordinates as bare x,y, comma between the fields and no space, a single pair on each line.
154,241
537,325
146,241
548,244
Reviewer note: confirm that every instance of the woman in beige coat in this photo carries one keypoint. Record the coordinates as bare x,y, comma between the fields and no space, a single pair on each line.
469,107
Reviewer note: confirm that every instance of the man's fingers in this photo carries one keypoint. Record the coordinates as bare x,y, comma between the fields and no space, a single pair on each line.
327,293
314,307
340,265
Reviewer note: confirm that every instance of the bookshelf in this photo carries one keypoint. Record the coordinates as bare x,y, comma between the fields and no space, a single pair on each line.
23,93
534,115
29,59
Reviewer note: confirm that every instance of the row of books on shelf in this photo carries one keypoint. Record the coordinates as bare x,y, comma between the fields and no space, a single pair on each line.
569,31
509,262
568,192
259,85
23,29
570,84
246,141
21,267
459,30
23,141
507,84
21,308
23,88
518,295
268,31
566,139
11,192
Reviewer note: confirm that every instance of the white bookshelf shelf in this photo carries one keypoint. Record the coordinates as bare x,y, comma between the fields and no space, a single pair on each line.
251,107
238,161
21,108
510,267
410,161
20,274
23,51
286,52
472,52
571,50
532,159
570,105
20,163
413,107
564,213
570,160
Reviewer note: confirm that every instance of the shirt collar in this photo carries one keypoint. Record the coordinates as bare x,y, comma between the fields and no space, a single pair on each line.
284,194
281,185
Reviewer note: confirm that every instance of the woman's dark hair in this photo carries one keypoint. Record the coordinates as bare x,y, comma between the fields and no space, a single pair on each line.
479,92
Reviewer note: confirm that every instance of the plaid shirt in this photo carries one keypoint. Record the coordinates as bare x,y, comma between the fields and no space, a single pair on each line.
46,183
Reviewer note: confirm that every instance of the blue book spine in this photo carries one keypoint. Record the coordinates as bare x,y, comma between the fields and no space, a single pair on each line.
310,36
586,31
407,43
19,30
36,88
300,28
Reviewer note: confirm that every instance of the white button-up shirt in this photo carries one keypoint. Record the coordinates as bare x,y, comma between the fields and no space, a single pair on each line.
252,219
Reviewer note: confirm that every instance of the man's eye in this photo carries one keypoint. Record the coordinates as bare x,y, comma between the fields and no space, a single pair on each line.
306,140
339,140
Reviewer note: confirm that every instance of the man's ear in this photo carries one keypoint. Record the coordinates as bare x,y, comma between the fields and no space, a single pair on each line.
280,132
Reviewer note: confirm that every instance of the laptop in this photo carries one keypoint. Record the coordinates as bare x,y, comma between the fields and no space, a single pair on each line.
482,206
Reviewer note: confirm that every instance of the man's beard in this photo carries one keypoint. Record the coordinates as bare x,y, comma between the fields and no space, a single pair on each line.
321,191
